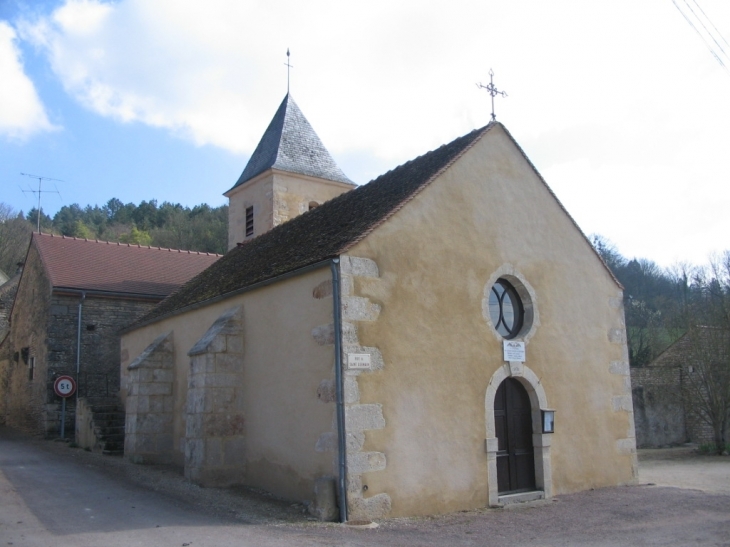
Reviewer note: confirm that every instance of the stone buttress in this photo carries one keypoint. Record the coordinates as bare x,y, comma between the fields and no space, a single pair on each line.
149,405
215,425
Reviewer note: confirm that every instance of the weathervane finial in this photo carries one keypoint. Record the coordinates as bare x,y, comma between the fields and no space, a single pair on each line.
288,69
492,90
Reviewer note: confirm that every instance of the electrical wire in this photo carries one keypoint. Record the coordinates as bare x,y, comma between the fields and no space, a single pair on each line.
701,35
711,23
705,27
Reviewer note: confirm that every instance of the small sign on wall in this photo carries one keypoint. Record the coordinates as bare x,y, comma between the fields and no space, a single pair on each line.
358,361
514,351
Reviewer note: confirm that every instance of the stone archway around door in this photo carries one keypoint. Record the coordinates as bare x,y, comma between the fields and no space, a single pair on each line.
540,441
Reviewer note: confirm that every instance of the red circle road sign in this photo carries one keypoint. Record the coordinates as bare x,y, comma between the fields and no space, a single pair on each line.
64,386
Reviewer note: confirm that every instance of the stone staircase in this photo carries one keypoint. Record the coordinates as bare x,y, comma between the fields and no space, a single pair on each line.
100,424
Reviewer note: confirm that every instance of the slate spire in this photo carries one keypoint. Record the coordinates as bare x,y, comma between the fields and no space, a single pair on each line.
290,144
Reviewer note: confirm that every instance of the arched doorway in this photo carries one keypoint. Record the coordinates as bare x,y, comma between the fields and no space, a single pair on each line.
513,424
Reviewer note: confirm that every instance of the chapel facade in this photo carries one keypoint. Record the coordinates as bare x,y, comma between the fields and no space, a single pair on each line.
442,338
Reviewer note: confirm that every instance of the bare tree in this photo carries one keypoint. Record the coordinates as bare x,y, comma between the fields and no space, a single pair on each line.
706,384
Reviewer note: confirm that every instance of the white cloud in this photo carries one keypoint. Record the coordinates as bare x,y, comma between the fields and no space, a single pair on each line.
21,111
619,104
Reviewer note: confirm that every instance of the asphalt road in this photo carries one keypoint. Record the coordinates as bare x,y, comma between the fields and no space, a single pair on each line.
52,495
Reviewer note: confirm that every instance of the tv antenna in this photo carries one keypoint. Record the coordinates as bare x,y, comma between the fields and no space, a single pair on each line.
492,90
40,191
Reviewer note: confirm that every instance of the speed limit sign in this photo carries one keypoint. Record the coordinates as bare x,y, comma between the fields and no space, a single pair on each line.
64,386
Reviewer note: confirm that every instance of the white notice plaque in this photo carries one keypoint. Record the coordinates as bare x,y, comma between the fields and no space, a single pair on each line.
358,360
514,351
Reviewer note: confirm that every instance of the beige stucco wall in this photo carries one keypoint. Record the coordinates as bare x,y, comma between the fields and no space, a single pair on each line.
435,257
283,366
276,197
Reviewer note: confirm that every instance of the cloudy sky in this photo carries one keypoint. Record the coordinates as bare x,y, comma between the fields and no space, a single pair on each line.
623,106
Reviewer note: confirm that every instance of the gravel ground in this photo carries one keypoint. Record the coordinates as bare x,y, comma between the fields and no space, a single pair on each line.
684,467
639,515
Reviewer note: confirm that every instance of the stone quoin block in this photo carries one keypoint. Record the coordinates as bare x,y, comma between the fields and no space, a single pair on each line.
351,390
617,336
327,442
363,417
363,462
324,335
363,267
358,308
326,391
622,402
619,367
355,440
626,446
368,509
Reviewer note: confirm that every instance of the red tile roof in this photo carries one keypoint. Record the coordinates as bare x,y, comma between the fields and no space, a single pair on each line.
83,264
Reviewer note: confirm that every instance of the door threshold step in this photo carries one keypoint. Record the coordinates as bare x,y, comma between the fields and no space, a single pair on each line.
521,497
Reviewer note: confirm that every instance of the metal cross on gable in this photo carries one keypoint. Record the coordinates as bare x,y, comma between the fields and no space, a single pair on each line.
492,90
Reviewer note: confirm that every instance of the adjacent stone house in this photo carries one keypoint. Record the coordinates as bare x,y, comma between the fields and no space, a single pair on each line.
72,298
441,338
8,288
665,392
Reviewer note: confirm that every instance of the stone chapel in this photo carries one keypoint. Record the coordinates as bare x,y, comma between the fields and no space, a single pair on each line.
441,338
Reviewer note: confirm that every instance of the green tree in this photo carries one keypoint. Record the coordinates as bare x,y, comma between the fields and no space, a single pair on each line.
81,230
66,218
136,237
46,221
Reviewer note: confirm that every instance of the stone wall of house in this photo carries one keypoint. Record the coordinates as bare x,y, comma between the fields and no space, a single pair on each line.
658,409
662,414
23,390
43,333
101,320
7,296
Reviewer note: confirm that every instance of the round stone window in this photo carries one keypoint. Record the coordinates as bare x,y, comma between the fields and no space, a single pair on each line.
505,309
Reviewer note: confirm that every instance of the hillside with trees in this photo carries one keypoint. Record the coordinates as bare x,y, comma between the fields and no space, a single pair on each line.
659,303
169,225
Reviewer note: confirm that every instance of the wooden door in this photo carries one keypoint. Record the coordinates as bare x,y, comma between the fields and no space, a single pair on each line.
515,455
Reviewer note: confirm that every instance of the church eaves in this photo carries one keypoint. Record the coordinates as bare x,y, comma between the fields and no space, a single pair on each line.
290,144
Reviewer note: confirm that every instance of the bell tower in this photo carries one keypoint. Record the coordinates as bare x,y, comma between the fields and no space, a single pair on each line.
289,173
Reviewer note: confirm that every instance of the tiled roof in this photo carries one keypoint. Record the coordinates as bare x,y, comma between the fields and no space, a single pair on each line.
290,144
320,234
83,264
